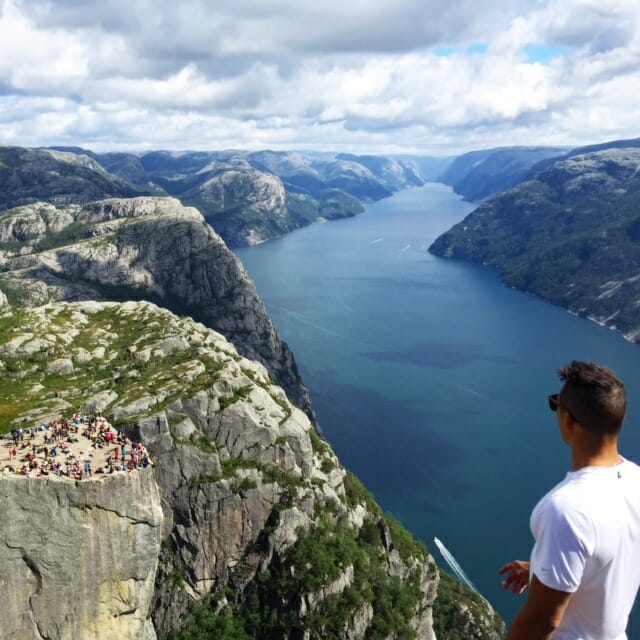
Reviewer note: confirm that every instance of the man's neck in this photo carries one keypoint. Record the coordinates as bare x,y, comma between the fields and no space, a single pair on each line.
605,456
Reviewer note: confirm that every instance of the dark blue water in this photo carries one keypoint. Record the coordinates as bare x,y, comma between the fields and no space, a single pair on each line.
430,378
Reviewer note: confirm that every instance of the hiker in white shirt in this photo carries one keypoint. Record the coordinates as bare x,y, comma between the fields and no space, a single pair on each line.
584,571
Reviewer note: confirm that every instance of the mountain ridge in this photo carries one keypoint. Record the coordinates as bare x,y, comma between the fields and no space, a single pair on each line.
568,235
251,197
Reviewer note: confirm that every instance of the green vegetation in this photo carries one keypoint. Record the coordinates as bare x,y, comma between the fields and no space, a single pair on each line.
284,405
270,473
319,446
70,234
239,394
204,624
356,494
456,607
269,608
15,292
205,443
123,335
403,541
570,237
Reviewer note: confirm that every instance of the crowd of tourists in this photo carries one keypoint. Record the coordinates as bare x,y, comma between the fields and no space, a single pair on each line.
78,447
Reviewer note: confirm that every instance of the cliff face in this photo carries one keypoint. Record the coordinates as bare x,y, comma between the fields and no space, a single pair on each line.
152,248
78,560
261,524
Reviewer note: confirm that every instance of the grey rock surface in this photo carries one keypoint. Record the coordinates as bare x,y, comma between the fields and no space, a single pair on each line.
60,367
241,477
78,560
150,248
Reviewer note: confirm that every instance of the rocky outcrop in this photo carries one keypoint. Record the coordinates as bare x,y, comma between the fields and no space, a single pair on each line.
261,522
78,560
244,205
151,248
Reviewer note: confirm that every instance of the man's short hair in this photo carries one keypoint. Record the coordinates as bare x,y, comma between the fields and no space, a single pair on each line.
594,396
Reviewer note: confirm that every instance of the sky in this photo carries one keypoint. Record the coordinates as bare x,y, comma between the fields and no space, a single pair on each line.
433,77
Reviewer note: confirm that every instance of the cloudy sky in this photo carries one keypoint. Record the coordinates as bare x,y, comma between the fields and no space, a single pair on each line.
428,76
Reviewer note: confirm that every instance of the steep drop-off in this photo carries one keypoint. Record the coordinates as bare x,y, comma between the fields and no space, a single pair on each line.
149,248
78,560
263,529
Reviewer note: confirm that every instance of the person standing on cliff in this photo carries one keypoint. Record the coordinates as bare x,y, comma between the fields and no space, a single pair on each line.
584,571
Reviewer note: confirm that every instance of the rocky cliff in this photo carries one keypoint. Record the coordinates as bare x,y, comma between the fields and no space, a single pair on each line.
570,234
151,248
245,205
263,533
79,560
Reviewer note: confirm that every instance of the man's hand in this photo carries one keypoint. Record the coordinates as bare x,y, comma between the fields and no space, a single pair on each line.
517,576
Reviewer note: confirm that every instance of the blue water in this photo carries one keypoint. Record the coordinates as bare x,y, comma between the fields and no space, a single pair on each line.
430,378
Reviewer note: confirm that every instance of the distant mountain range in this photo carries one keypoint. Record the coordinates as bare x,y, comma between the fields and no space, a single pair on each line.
250,197
480,174
569,233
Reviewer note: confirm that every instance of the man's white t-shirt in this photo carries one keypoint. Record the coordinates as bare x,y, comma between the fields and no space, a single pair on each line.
587,533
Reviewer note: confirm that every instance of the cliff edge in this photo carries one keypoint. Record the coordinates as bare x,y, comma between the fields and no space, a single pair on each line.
79,560
262,525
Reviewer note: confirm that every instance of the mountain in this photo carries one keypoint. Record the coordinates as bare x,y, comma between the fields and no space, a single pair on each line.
247,526
427,168
480,174
570,234
250,197
603,146
32,175
141,248
246,205
393,174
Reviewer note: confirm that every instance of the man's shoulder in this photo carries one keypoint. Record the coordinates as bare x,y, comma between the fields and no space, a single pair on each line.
628,466
567,499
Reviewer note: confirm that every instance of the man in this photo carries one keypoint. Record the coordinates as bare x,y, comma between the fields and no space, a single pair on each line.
585,565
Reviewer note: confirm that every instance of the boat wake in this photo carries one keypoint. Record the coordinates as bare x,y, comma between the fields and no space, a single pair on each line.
454,566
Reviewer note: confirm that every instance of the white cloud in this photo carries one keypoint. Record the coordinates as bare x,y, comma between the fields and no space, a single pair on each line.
359,76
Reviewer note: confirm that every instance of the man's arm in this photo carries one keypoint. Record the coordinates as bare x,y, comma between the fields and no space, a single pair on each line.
541,614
